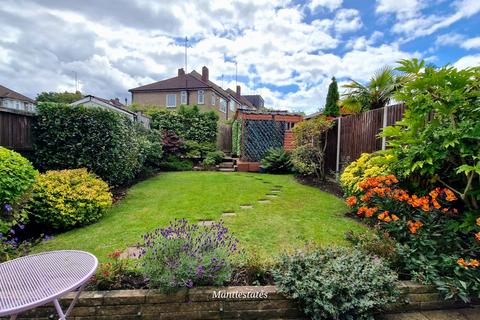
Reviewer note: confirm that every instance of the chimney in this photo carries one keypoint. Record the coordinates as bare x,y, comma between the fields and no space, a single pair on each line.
181,72
204,73
239,91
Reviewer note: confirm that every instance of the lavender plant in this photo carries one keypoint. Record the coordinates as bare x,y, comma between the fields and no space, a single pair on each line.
186,255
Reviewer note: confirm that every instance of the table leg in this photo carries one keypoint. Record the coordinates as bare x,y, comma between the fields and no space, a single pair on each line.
58,307
13,316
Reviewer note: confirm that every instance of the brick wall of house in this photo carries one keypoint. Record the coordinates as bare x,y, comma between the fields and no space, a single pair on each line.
288,143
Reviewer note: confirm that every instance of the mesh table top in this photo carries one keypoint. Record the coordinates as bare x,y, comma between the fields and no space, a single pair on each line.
34,280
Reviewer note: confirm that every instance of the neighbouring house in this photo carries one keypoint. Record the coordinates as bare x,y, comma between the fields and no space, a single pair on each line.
113,105
13,100
237,101
190,89
256,100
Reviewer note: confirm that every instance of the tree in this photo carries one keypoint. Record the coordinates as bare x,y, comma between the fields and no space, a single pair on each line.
331,106
376,94
59,97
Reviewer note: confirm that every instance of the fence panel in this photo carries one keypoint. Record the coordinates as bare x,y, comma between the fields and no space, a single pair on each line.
16,130
359,134
225,138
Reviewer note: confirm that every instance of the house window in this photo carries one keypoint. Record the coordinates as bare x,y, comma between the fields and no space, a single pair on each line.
183,97
232,105
223,105
171,100
201,97
214,99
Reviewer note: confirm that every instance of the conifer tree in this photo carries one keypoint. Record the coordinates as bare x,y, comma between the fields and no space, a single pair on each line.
331,107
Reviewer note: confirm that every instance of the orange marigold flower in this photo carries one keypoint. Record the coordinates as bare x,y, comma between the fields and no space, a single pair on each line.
433,194
435,203
478,221
477,236
387,219
395,217
370,212
426,207
381,216
414,226
474,263
462,262
351,201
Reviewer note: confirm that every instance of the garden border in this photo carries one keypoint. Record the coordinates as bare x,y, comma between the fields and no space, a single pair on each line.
200,303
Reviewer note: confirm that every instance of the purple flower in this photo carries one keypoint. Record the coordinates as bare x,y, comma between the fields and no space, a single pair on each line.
47,237
189,283
22,226
8,208
12,232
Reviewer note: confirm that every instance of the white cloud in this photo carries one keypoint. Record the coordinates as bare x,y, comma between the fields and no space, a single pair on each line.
347,20
468,61
462,41
403,9
329,4
471,43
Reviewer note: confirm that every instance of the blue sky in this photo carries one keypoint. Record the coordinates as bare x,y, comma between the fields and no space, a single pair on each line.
287,51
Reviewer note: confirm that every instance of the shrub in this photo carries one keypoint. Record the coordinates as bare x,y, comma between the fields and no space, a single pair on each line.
310,143
151,147
172,143
66,199
277,160
199,150
187,255
443,109
336,283
174,163
433,244
367,166
70,137
17,175
213,158
113,275
188,123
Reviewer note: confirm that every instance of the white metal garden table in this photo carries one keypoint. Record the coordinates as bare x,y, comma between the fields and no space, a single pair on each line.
32,281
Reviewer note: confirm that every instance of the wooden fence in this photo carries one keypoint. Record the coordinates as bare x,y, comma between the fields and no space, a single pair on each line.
16,130
353,135
225,138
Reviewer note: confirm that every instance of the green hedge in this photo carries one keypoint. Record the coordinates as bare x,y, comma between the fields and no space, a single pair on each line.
105,142
188,123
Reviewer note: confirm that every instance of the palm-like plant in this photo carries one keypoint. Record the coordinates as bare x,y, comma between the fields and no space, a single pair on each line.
377,93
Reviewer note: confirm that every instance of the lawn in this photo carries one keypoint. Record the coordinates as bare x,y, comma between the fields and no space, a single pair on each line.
299,213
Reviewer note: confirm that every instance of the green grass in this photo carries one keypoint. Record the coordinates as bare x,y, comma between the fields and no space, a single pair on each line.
299,213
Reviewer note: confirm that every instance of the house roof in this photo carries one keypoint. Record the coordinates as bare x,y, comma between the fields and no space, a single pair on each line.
240,98
112,102
8,93
189,81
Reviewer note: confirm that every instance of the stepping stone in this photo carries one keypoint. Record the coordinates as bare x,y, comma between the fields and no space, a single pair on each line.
264,201
266,182
206,223
271,196
131,253
275,191
229,214
246,206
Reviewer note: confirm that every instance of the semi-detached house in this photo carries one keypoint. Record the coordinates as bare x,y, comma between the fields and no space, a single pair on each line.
191,89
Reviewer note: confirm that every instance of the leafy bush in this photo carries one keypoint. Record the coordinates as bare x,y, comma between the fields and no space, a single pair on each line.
367,166
187,255
310,144
172,143
443,109
213,158
12,247
433,245
66,199
336,283
199,150
70,137
151,146
112,275
17,176
277,160
188,123
174,163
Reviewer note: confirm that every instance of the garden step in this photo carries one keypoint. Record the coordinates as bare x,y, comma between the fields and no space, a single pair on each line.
226,169
226,165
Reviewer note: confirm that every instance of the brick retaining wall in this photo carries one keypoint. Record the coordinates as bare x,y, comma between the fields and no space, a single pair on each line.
200,303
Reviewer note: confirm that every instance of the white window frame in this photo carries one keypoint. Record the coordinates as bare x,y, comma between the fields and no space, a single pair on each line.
223,105
232,105
201,97
183,97
214,99
174,100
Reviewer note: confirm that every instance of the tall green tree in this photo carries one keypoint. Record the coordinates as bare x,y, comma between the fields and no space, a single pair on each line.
375,94
59,97
331,106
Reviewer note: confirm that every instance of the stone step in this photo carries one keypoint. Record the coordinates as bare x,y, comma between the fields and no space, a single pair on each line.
226,165
226,169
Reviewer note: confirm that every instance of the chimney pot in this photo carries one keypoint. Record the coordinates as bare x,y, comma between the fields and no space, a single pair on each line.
205,73
239,90
181,72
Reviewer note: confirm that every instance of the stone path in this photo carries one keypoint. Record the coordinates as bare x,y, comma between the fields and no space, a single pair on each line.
454,314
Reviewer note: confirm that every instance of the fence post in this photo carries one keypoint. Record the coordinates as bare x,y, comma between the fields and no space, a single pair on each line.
385,116
339,131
